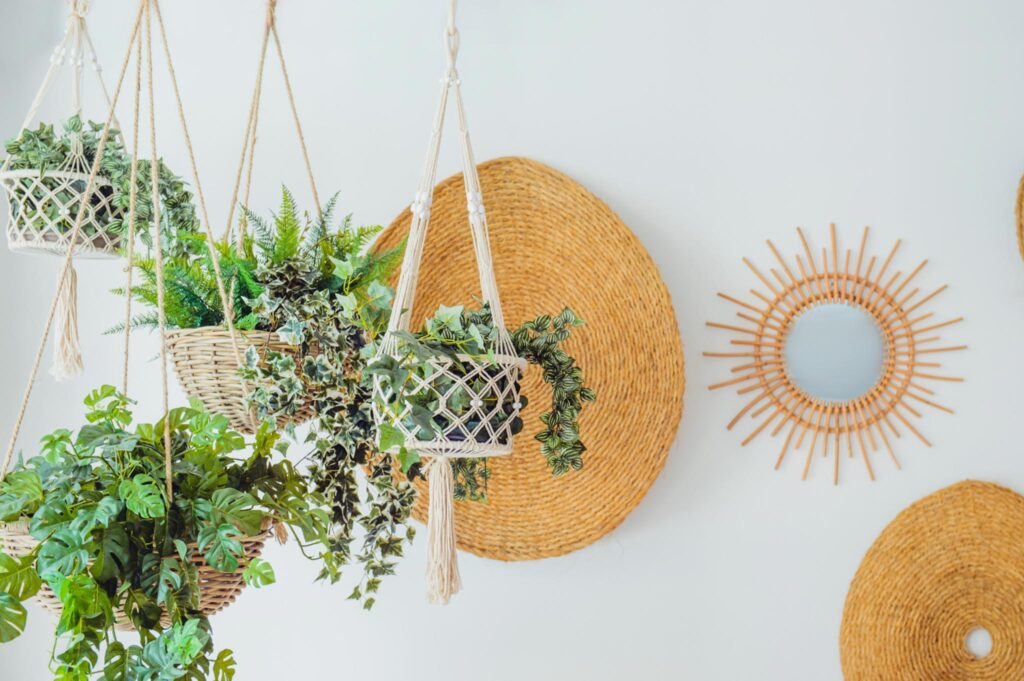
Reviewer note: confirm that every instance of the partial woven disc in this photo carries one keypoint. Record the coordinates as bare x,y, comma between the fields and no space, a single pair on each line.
555,244
951,563
1019,212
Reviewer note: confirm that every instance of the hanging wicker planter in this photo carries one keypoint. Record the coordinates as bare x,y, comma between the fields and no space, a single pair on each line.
207,369
217,589
42,206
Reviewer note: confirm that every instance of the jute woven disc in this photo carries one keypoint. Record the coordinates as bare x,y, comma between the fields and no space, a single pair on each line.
555,244
950,563
1019,213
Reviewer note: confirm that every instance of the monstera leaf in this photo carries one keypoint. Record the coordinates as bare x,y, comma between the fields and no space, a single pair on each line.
18,576
142,496
12,618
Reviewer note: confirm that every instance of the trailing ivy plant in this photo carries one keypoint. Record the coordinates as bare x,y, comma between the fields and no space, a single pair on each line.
45,149
110,541
304,279
452,334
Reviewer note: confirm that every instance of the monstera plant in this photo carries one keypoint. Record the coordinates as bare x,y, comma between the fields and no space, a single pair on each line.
112,550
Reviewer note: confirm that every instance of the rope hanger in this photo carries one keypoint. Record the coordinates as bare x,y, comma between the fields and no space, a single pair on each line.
141,42
246,162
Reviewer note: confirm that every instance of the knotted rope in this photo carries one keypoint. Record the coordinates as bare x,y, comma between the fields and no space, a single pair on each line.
247,159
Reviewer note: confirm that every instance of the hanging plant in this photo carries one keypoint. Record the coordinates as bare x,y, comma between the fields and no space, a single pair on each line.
111,552
46,177
432,404
300,281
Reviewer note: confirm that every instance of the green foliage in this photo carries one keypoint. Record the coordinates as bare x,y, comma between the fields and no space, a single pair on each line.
110,540
46,150
466,339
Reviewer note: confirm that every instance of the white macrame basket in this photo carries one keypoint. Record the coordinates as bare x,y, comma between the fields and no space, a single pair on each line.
42,207
485,428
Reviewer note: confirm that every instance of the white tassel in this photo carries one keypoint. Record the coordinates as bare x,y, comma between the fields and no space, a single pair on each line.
443,580
67,353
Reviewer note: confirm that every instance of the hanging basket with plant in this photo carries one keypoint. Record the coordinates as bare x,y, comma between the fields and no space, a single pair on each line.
52,208
451,390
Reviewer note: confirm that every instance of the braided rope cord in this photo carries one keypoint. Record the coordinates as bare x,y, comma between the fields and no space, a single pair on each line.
247,159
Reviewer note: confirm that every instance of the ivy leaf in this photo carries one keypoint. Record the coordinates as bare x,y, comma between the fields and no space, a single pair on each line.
18,576
12,618
343,268
449,318
258,573
407,458
143,496
220,546
63,553
292,332
390,437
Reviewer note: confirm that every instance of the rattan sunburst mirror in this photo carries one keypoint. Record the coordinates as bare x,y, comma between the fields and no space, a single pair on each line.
837,352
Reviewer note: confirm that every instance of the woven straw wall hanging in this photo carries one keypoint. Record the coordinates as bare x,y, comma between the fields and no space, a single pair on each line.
538,216
219,588
43,202
869,419
206,358
949,566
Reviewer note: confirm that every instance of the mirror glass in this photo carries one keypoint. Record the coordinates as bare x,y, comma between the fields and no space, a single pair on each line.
834,352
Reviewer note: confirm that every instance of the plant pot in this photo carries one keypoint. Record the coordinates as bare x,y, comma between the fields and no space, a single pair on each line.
485,428
217,589
205,362
42,208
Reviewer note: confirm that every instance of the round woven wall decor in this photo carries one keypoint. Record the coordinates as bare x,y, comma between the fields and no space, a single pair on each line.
1019,213
951,563
555,244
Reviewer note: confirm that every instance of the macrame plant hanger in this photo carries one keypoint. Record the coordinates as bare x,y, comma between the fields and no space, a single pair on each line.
141,42
200,354
39,201
246,162
459,439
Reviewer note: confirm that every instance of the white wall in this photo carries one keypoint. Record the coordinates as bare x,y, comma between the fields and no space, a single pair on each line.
709,126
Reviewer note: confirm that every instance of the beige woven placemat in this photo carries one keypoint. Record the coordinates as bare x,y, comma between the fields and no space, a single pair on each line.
950,563
555,244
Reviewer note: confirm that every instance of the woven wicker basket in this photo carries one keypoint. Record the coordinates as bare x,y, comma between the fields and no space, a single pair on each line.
218,590
43,206
204,360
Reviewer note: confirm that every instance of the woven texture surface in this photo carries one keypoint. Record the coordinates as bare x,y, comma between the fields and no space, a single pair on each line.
43,207
555,244
950,563
218,589
204,360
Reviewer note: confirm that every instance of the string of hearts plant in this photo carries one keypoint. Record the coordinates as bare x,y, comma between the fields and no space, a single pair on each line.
116,553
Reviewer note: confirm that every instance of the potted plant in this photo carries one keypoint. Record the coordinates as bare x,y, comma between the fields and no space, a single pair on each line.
46,174
444,385
93,534
295,286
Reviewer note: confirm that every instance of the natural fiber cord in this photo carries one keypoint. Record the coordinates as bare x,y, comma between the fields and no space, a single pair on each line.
951,563
556,244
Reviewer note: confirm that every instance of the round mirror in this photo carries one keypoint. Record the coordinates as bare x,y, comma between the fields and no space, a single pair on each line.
834,352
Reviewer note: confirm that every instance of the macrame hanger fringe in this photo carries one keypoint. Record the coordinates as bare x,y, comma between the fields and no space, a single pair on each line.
443,580
67,351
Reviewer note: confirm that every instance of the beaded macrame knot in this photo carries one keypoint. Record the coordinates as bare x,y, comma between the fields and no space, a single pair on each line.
475,204
421,204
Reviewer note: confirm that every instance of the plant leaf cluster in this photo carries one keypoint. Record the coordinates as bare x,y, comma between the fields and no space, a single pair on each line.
465,341
111,542
45,149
